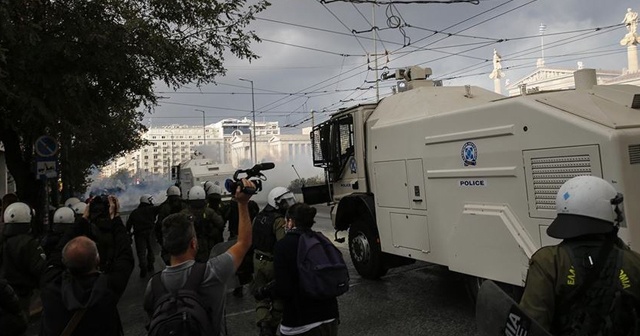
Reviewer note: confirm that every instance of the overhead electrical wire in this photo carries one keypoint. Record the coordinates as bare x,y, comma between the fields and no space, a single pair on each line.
361,72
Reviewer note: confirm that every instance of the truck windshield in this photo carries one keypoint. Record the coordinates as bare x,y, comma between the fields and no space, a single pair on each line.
333,145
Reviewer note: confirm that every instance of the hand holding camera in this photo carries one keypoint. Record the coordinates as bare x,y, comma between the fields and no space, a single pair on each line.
241,196
253,174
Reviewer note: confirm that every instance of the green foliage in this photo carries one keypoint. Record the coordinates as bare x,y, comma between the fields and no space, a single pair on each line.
84,71
297,184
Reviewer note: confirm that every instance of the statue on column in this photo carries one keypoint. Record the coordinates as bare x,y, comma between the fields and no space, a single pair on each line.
497,66
631,21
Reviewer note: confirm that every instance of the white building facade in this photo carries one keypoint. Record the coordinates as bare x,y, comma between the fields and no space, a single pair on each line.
225,142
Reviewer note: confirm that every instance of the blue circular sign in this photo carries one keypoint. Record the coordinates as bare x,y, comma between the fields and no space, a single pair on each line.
46,146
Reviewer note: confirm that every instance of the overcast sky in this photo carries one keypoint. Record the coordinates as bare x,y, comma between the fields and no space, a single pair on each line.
310,59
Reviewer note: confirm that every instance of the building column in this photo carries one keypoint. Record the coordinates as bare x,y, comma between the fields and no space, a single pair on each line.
632,58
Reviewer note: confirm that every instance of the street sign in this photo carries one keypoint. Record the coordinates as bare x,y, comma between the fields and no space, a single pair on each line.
46,146
46,169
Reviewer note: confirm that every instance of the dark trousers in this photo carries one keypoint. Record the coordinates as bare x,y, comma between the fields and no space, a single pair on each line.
144,248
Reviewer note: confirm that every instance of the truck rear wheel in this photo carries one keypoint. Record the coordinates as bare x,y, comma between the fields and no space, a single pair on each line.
364,247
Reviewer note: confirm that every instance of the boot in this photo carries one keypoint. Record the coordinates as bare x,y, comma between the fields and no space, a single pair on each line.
266,329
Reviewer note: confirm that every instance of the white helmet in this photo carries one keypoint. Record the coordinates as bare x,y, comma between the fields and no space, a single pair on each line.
277,194
147,199
78,208
212,188
71,201
196,193
173,191
585,205
64,215
17,213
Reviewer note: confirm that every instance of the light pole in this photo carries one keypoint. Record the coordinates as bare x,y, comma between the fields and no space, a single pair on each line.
254,155
204,132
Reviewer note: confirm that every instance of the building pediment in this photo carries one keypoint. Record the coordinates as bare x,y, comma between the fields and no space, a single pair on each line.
542,74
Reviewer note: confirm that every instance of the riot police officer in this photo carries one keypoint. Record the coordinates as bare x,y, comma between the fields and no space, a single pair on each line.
208,224
142,220
268,228
63,220
22,257
586,285
173,204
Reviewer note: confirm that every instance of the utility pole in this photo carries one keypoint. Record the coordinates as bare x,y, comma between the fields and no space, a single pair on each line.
204,132
254,154
313,119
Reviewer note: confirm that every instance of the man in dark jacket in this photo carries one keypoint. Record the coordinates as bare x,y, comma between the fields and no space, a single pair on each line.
303,315
22,259
77,295
142,221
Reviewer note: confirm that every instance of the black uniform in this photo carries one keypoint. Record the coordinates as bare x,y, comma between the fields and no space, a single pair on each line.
142,220
22,261
172,205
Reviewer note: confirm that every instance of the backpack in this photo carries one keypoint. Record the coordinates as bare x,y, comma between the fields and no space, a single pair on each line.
182,312
322,271
600,306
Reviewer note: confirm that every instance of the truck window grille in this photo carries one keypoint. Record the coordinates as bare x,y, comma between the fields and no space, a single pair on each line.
549,173
634,154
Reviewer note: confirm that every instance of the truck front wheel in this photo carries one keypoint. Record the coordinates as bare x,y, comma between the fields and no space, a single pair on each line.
364,247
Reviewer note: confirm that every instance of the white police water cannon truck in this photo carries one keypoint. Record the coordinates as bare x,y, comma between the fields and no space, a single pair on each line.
466,178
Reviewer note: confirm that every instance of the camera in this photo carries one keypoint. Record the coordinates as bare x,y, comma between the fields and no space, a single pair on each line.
99,206
254,174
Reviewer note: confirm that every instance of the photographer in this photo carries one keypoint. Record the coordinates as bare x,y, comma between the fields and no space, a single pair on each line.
184,273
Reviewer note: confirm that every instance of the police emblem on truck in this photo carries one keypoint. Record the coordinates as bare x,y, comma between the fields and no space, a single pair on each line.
469,154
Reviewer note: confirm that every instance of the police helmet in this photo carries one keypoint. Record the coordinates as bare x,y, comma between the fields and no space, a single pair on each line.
78,208
64,215
278,194
173,191
196,193
17,212
71,201
146,199
212,188
585,205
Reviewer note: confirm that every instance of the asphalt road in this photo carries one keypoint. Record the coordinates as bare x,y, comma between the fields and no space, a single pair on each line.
419,299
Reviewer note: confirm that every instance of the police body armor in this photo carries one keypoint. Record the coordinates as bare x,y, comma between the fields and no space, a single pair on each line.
264,239
601,308
15,235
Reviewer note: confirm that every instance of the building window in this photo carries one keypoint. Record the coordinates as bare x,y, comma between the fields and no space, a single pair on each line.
155,156
155,150
153,137
146,157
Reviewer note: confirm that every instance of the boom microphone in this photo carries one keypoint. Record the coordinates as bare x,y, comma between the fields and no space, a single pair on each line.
264,166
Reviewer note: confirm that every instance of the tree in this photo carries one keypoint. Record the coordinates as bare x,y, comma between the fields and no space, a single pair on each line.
84,72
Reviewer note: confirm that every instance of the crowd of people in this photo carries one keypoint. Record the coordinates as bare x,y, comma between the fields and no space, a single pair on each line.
81,267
